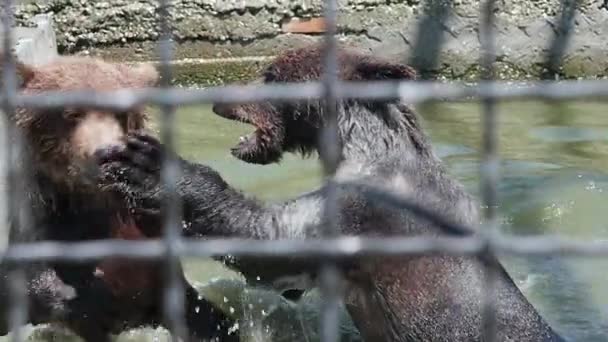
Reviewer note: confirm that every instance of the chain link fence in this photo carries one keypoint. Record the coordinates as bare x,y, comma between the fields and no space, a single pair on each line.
173,246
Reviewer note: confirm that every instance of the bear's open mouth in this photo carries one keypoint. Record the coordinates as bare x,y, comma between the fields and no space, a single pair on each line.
264,144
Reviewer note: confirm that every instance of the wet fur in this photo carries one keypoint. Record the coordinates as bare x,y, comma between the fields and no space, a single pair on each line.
62,196
431,298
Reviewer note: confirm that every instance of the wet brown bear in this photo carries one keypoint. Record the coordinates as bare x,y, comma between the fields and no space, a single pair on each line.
425,298
94,299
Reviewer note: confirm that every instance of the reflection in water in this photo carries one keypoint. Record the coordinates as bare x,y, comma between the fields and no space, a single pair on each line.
554,172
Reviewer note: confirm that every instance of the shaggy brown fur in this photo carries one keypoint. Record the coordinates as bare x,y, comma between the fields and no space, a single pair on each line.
67,205
54,150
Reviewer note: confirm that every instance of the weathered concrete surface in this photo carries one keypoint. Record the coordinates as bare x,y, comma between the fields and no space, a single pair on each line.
126,29
37,44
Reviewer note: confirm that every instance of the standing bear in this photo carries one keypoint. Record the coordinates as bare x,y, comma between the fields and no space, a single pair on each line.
435,297
94,299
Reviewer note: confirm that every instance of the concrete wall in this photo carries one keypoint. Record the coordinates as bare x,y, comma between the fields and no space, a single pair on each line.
36,44
126,29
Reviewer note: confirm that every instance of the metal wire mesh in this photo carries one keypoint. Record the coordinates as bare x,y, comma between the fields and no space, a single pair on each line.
331,89
16,279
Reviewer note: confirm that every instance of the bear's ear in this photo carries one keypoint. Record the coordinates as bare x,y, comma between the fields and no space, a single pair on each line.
25,73
376,70
140,76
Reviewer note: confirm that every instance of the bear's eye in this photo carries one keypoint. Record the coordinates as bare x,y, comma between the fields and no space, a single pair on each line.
269,76
73,114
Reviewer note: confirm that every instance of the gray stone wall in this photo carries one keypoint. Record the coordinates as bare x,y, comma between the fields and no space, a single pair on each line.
126,29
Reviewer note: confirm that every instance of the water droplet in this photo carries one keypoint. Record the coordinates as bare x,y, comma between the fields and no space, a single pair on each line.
231,310
225,299
233,328
590,186
197,309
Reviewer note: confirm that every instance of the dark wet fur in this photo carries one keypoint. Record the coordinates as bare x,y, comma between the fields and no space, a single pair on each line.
95,311
431,298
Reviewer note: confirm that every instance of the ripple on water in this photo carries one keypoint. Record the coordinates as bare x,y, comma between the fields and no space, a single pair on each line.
449,150
553,134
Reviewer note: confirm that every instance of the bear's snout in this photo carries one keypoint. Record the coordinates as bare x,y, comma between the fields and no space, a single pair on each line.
97,131
224,110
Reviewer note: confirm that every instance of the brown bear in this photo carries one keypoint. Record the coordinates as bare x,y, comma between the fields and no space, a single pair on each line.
94,299
410,298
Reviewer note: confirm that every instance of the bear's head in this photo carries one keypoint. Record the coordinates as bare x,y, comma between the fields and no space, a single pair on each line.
294,126
61,142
